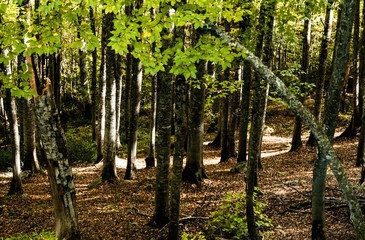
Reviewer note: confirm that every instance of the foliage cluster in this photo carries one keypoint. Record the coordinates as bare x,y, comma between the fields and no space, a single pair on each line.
43,235
5,158
231,221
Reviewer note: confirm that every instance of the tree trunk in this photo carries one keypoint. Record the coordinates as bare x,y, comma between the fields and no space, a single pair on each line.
179,141
233,117
331,111
109,172
150,160
93,78
10,106
58,167
224,121
194,168
100,136
164,81
361,147
245,113
29,128
118,79
297,133
136,86
258,113
322,67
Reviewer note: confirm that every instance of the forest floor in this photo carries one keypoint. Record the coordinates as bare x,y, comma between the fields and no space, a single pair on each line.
122,210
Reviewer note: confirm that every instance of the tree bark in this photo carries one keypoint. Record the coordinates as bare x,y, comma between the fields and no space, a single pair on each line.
194,168
30,158
131,171
10,106
109,172
150,160
361,147
258,114
102,94
179,141
331,111
224,120
164,81
321,75
245,113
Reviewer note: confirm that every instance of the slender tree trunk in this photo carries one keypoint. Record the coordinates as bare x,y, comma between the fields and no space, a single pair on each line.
109,172
102,94
10,106
150,160
332,105
245,113
258,115
177,166
361,146
136,86
297,133
118,77
233,117
93,78
224,121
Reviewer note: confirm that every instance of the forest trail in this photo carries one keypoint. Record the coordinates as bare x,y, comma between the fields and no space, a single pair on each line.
122,210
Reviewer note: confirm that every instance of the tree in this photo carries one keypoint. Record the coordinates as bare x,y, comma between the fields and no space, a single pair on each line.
164,81
297,133
332,105
194,168
361,147
135,98
179,142
109,171
258,113
322,67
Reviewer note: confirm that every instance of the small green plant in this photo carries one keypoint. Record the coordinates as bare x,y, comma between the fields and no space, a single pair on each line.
198,236
231,221
44,235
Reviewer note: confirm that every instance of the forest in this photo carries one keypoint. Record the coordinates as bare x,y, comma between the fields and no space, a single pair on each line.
177,119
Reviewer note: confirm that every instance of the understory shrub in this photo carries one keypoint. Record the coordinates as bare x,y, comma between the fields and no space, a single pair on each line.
44,235
230,220
80,146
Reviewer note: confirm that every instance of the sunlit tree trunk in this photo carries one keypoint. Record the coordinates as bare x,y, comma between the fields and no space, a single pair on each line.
245,113
109,171
101,107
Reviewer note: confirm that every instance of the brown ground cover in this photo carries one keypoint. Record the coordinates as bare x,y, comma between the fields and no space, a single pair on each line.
122,210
